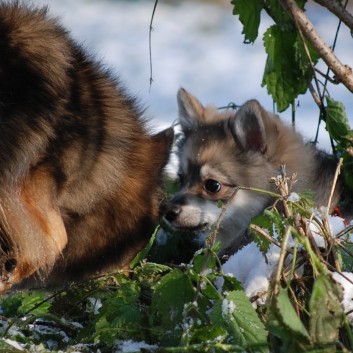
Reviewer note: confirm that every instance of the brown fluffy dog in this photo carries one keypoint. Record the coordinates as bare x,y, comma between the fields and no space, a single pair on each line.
79,173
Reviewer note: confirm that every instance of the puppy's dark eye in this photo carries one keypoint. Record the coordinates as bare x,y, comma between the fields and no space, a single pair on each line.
212,186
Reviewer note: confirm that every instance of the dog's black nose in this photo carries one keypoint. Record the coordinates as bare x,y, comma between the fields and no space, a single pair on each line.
172,213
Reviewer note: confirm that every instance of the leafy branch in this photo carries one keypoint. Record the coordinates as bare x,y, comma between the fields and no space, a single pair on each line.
343,72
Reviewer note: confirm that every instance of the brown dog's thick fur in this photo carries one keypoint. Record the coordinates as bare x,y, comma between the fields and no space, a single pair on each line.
79,173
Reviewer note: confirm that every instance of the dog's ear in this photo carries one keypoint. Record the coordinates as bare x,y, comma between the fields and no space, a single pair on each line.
190,110
248,128
163,144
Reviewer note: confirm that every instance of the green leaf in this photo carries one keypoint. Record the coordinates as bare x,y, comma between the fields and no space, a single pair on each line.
236,314
25,302
287,71
273,222
280,16
143,253
326,311
289,324
337,123
120,315
35,303
249,12
208,333
173,292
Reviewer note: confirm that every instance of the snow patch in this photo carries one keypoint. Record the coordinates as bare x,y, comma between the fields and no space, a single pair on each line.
132,346
254,270
345,279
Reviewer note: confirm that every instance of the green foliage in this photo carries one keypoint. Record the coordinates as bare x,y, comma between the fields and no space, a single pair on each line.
338,127
287,71
235,313
326,312
337,123
288,68
249,12
285,324
180,309
177,307
163,306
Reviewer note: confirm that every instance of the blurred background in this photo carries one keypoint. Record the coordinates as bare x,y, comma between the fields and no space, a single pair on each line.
195,44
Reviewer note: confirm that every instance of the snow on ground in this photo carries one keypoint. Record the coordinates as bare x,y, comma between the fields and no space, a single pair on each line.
346,281
254,271
132,346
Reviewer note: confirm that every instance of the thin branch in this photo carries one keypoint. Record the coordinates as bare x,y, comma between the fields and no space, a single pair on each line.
150,40
264,234
343,72
338,171
339,10
281,258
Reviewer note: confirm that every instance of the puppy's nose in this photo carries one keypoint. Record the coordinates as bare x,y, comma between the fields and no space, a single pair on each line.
172,213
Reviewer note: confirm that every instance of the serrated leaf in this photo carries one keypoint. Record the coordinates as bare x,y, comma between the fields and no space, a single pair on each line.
275,10
208,333
326,311
236,314
120,311
172,293
287,71
337,123
273,223
34,302
249,12
231,284
204,261
287,318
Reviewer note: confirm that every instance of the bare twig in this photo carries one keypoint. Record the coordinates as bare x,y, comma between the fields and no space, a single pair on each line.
315,96
281,258
264,234
338,170
339,10
150,40
343,72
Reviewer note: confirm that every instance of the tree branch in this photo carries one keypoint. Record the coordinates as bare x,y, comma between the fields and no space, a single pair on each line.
339,10
343,72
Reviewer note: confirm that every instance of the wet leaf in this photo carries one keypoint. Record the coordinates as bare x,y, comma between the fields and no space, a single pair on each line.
337,122
236,314
326,311
287,317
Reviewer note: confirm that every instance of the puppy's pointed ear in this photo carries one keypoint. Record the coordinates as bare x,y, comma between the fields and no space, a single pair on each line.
247,126
190,110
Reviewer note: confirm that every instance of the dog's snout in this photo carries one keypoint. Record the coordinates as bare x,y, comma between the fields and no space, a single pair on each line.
172,213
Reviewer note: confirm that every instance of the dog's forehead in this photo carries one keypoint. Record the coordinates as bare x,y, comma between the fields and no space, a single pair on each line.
206,146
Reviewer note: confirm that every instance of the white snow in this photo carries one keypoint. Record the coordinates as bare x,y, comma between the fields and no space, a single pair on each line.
228,307
251,269
14,344
254,271
132,346
346,281
293,197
